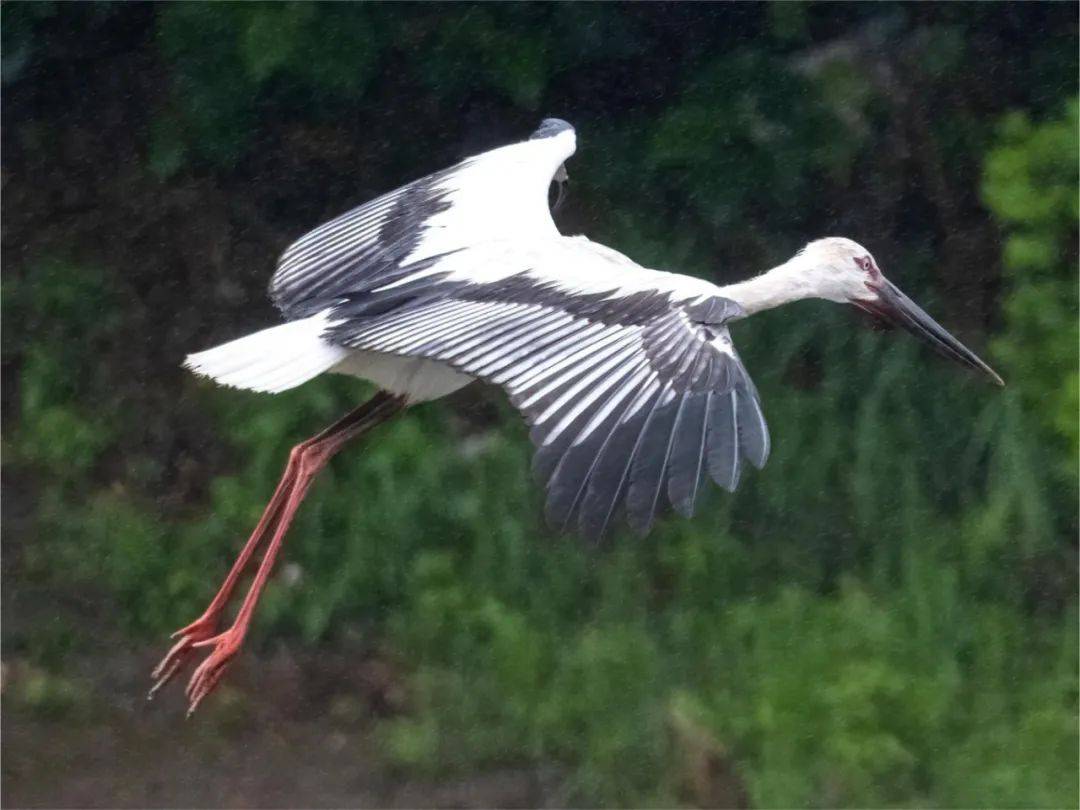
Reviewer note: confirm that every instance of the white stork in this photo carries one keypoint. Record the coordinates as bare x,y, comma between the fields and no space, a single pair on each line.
627,376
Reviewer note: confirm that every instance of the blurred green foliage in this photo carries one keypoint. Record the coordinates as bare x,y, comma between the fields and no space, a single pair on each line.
263,51
886,615
1031,186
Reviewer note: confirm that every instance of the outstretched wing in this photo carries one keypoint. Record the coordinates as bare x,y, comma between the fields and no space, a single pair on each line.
627,376
501,194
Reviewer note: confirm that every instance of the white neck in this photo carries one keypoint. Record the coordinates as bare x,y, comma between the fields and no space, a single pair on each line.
781,285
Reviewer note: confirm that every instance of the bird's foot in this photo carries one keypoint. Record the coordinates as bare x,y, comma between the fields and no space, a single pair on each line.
200,630
210,672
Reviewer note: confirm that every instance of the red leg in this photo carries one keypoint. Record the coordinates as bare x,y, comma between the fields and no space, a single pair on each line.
205,626
305,461
227,644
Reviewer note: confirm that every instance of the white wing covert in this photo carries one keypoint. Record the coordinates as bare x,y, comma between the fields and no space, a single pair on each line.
500,194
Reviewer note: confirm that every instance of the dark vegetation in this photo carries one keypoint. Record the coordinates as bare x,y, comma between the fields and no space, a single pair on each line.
886,615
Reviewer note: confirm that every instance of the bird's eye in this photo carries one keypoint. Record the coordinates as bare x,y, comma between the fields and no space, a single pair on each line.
863,262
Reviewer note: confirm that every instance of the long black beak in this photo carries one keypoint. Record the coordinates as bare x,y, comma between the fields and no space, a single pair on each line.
897,309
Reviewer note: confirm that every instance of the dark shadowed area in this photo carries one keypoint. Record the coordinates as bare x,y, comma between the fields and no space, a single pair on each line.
885,615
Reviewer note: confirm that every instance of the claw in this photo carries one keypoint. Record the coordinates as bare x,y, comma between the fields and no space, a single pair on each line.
206,686
192,636
210,672
205,679
161,679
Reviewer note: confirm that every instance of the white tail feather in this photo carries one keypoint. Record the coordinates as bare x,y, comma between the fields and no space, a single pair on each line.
272,360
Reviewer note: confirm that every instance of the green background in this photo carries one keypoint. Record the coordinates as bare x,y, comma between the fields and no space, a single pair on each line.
886,615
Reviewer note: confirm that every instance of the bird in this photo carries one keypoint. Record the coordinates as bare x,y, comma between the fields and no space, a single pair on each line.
629,381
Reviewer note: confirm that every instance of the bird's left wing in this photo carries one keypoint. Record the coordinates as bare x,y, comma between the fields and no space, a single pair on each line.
500,194
627,377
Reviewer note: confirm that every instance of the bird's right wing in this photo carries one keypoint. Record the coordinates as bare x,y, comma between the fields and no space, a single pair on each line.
627,376
500,194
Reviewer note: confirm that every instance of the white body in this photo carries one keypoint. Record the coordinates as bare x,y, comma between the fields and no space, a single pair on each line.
496,225
285,356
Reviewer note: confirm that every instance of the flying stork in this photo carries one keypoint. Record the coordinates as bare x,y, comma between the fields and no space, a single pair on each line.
627,376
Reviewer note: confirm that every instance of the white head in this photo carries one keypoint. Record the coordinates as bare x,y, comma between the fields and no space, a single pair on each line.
840,270
836,269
